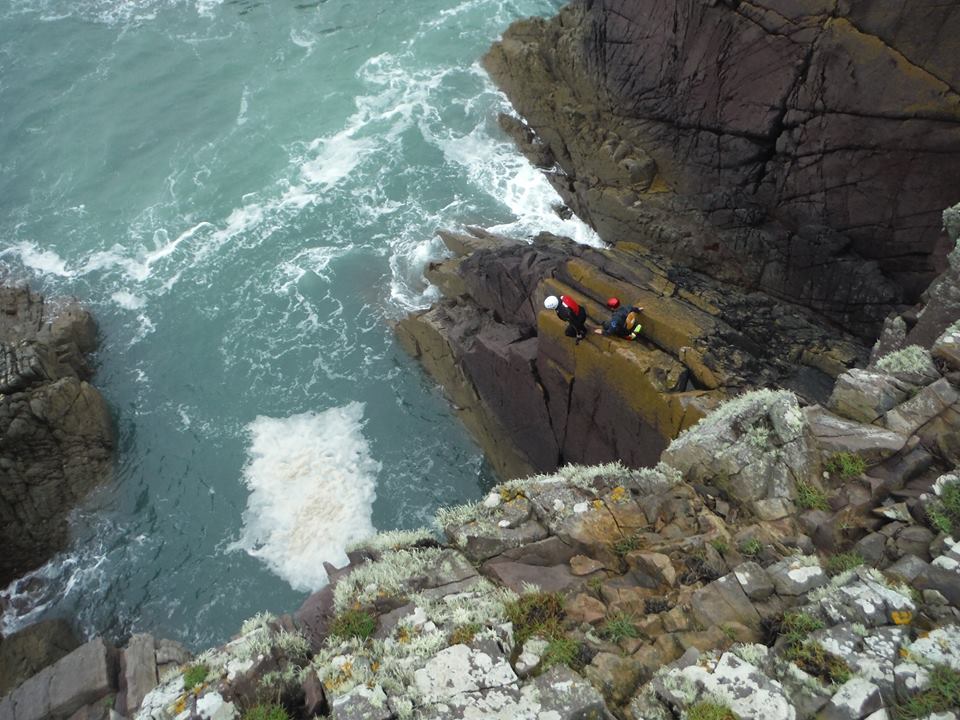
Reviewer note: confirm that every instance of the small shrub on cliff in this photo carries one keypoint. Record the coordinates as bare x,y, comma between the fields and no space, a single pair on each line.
815,660
561,651
846,465
911,359
841,562
464,634
795,626
537,613
810,497
353,624
941,694
194,675
266,712
626,544
710,711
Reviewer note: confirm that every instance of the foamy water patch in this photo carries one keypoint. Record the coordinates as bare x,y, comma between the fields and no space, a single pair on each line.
312,484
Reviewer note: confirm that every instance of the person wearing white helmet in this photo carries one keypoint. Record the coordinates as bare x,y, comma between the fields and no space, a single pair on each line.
570,312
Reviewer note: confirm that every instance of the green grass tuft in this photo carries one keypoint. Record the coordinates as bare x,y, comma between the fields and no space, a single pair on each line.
751,547
846,465
841,562
626,544
815,660
810,497
561,651
941,694
619,627
194,675
353,624
944,512
720,545
710,711
796,625
266,712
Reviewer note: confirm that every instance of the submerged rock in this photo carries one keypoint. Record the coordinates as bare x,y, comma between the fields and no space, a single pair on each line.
56,434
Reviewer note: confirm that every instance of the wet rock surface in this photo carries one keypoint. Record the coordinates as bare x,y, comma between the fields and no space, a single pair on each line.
56,435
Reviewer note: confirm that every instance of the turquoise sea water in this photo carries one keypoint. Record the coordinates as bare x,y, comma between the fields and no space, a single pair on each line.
245,194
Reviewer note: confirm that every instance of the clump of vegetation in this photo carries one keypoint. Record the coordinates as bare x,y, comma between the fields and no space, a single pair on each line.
595,584
538,613
561,651
815,660
619,627
810,497
464,634
944,512
808,655
710,711
846,465
194,676
751,547
941,694
267,712
541,614
353,624
796,626
720,545
841,562
626,544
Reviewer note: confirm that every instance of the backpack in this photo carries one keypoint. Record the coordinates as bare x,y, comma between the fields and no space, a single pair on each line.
618,321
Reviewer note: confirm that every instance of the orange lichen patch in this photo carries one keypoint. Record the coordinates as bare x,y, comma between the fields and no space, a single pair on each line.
619,494
901,617
904,653
180,706
597,504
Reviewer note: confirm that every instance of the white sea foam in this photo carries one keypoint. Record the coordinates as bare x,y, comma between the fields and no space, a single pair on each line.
312,485
41,261
335,158
128,300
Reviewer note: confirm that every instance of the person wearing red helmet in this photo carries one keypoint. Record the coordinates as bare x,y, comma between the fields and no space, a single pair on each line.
570,312
624,323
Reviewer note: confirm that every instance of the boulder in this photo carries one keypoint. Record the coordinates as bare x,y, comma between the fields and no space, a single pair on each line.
615,676
754,580
459,669
80,678
931,401
362,703
138,672
724,602
754,448
834,435
946,348
865,396
855,700
797,575
516,576
28,651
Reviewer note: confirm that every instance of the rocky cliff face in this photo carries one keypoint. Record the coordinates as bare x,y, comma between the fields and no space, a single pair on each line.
536,400
782,562
56,435
805,149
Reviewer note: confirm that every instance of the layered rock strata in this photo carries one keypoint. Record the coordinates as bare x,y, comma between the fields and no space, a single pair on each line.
804,149
537,400
56,435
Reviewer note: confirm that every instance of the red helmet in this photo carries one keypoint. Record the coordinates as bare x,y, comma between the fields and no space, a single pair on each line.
613,303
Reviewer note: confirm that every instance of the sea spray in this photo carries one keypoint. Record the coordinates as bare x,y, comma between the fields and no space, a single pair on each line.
312,484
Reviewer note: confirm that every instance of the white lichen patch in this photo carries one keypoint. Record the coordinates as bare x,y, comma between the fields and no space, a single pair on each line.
393,540
384,577
911,359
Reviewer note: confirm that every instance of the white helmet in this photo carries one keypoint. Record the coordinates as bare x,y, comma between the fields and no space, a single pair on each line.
551,302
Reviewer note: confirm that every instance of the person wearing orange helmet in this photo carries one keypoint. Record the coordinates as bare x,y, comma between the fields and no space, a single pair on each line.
624,323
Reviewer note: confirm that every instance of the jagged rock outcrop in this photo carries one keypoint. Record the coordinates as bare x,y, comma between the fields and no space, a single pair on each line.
804,149
536,400
56,435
